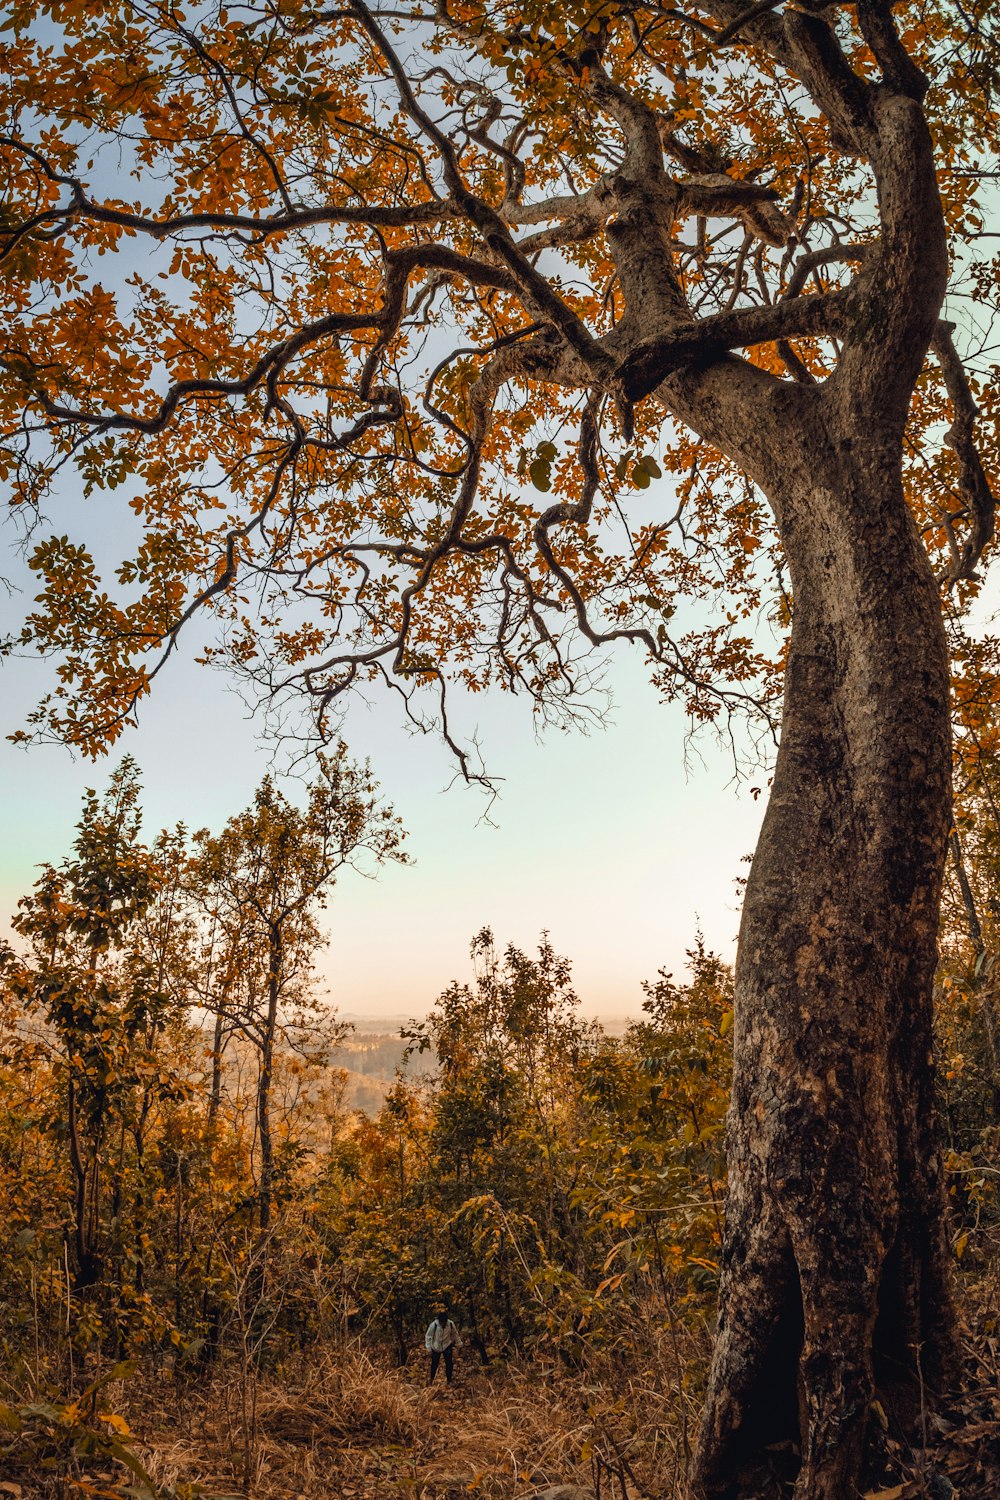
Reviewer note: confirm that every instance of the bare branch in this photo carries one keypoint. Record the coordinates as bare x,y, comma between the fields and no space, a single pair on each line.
82,206
813,259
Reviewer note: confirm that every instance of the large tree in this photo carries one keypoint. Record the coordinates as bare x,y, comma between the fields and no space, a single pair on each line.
386,273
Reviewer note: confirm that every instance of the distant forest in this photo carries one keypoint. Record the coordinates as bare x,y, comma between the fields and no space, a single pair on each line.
371,1060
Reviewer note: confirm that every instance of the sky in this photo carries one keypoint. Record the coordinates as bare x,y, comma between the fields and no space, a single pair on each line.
619,843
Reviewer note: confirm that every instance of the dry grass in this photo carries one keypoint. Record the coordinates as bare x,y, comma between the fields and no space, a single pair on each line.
343,1425
347,1425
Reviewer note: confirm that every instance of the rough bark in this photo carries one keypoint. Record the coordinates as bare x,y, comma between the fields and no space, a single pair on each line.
836,1270
835,1278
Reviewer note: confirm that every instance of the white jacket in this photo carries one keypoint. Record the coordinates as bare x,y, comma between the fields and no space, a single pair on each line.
438,1339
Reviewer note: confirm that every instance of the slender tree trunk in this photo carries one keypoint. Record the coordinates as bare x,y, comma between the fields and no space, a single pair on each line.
980,983
257,1281
835,1274
139,1137
85,1165
88,1264
968,899
275,961
215,1090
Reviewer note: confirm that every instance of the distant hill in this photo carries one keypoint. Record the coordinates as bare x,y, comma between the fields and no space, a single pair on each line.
365,1023
371,1054
370,1057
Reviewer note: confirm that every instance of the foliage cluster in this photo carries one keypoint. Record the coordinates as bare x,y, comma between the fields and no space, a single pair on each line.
183,1186
184,1189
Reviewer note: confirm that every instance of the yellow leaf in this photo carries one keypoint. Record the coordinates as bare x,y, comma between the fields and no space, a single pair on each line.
116,1423
893,1494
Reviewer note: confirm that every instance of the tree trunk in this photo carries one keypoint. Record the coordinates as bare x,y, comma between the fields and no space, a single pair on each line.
274,975
87,1272
835,1282
215,1090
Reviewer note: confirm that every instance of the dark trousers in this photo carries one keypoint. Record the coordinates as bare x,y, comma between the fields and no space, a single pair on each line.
449,1359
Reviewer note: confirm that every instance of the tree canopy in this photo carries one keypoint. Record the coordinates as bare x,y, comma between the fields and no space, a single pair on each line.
364,312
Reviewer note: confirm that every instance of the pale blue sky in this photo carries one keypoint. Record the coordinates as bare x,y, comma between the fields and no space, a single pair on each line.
604,839
619,843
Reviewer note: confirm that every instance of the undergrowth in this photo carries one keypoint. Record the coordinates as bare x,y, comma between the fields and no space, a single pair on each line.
346,1422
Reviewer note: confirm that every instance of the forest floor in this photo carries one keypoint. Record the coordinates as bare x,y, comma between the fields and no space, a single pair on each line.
346,1425
354,1428
349,1427
343,1424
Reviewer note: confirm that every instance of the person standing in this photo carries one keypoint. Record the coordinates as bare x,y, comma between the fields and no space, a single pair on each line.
440,1339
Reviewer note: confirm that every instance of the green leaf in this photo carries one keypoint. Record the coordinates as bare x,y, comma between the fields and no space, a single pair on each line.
548,451
639,477
540,474
125,1456
9,1418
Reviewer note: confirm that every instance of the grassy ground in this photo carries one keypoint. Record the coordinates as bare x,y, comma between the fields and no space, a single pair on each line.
350,1427
344,1425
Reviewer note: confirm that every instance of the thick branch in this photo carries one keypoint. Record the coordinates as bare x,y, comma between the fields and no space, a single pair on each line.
82,206
960,438
644,369
898,67
755,205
